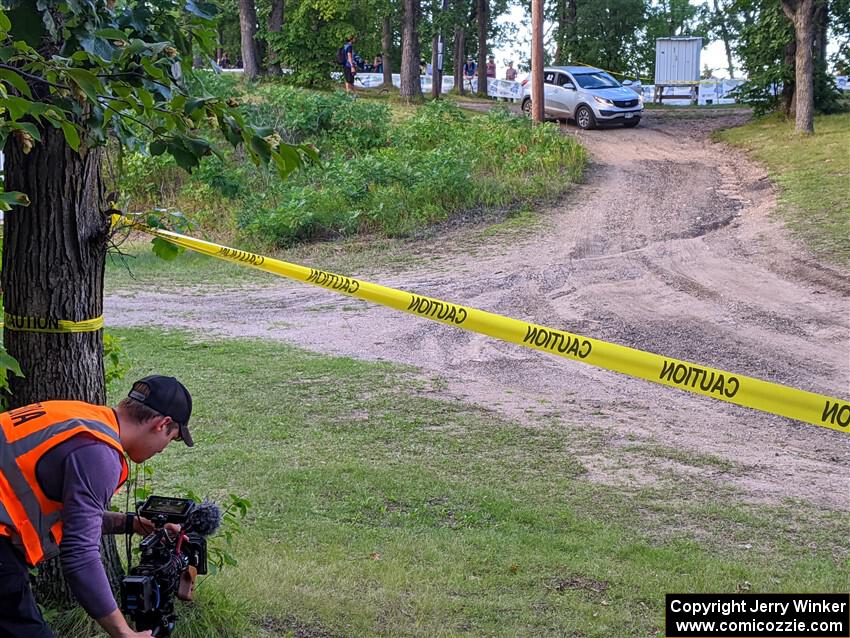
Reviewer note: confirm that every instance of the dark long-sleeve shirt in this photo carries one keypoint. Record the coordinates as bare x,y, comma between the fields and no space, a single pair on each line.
83,473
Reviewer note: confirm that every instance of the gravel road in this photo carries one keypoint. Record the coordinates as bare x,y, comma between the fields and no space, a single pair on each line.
668,246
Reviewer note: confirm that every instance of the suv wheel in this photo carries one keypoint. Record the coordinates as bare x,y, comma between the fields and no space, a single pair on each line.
585,118
526,106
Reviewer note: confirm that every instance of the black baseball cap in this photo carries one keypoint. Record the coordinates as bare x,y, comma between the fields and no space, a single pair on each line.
169,397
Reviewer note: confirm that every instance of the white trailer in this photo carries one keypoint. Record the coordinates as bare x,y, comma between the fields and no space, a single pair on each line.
677,65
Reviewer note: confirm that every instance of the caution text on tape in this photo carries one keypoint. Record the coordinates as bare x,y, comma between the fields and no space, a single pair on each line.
49,325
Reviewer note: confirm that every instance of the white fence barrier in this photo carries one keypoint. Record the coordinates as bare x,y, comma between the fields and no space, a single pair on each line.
495,87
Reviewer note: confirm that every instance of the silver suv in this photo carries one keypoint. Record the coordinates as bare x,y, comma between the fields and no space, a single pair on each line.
587,95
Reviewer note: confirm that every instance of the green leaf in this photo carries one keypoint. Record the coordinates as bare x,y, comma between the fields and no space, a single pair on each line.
262,131
155,72
8,362
145,97
5,23
14,198
157,147
290,155
10,77
185,157
17,106
261,149
87,81
98,47
72,136
165,249
29,127
112,34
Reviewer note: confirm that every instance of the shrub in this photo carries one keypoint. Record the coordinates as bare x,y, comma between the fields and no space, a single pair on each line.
376,175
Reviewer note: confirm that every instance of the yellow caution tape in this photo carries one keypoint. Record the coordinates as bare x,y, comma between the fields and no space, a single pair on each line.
774,398
42,324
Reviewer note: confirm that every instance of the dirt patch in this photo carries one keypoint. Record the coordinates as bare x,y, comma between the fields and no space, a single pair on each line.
576,581
669,246
291,626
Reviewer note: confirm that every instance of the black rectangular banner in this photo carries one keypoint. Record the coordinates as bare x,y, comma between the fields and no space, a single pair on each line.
757,616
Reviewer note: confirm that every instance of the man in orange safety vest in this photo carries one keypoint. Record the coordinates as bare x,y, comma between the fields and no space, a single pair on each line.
60,464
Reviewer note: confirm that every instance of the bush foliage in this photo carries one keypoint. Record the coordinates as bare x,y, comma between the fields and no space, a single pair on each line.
381,172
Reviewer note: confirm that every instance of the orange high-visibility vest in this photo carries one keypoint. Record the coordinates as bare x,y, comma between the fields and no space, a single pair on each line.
27,516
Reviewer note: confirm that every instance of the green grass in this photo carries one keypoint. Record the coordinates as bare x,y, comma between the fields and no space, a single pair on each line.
379,511
812,172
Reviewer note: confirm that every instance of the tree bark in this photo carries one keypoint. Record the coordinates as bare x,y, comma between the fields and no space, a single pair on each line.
801,13
411,85
459,58
275,25
386,50
483,22
789,95
53,267
248,32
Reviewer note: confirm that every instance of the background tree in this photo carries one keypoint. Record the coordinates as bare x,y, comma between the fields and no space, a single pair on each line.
411,87
461,10
565,30
608,34
73,75
766,44
801,13
248,31
275,25
482,18
722,24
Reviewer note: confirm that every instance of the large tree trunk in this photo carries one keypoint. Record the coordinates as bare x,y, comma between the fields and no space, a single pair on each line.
411,85
53,267
386,50
482,10
801,13
275,25
248,32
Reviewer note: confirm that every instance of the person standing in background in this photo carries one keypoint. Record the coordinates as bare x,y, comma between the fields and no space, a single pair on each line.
469,71
491,67
349,68
510,72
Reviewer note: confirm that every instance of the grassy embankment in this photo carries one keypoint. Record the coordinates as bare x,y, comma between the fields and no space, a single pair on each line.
386,169
380,509
812,172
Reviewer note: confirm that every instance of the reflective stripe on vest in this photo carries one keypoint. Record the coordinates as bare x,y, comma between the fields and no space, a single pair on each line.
34,520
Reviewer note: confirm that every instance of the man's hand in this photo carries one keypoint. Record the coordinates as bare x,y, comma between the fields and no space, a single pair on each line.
145,526
115,625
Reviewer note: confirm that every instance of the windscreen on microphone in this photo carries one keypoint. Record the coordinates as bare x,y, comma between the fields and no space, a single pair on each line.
204,519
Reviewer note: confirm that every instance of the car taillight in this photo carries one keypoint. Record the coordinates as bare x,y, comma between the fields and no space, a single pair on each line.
525,81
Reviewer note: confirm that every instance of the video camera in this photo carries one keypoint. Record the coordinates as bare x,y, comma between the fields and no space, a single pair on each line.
169,562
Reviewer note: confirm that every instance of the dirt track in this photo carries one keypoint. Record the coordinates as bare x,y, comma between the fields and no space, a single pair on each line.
668,247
